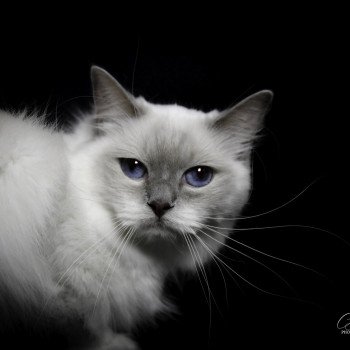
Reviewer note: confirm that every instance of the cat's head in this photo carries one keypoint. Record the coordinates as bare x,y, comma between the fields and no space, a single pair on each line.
168,170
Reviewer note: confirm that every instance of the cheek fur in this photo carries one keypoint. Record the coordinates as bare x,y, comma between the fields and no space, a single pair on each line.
195,206
224,195
220,196
125,196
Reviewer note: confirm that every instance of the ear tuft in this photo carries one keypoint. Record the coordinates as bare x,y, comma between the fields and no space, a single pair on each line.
109,96
243,121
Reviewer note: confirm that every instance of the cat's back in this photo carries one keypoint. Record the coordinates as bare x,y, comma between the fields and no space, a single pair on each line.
32,161
33,173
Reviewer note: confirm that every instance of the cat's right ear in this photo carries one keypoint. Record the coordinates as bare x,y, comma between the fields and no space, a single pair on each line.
243,121
110,98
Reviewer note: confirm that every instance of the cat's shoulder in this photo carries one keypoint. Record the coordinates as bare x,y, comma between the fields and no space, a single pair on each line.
32,155
27,138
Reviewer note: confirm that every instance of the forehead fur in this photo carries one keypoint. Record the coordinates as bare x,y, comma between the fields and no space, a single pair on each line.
168,134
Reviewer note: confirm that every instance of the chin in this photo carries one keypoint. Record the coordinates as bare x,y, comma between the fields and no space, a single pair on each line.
159,228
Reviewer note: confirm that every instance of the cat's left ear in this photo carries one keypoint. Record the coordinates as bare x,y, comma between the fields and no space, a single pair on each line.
109,96
243,121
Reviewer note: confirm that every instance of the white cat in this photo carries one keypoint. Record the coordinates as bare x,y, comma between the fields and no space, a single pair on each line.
92,221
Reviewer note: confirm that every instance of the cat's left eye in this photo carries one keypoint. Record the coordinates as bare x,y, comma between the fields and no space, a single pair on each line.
199,176
133,168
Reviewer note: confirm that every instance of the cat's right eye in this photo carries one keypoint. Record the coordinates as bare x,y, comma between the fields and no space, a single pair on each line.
133,168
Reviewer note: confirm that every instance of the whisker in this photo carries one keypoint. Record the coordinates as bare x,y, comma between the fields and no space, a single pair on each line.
200,261
272,210
281,226
251,258
107,269
301,226
217,261
72,99
92,200
197,272
237,274
131,236
62,280
255,286
213,255
268,255
95,246
210,294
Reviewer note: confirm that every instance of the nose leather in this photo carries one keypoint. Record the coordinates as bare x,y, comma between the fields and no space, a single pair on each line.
160,207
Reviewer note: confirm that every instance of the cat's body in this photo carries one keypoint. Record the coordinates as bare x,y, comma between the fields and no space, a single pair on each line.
79,238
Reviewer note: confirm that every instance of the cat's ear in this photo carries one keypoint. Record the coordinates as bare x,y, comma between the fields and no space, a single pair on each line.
109,96
242,122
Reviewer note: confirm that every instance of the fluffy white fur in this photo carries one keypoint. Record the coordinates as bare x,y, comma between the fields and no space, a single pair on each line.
77,238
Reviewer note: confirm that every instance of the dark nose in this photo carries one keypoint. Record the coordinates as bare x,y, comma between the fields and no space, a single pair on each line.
159,207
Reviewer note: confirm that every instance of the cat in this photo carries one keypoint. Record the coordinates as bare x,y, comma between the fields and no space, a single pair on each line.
93,220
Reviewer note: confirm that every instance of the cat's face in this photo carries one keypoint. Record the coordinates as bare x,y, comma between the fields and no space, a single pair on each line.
167,170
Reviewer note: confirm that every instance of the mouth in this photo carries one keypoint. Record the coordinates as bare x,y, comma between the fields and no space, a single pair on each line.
160,227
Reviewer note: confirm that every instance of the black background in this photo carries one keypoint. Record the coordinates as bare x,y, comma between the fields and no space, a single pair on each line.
297,53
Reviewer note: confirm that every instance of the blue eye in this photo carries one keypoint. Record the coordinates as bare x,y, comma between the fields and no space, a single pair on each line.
199,176
132,168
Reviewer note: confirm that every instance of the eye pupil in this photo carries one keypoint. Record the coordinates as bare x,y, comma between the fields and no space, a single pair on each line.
133,168
199,176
